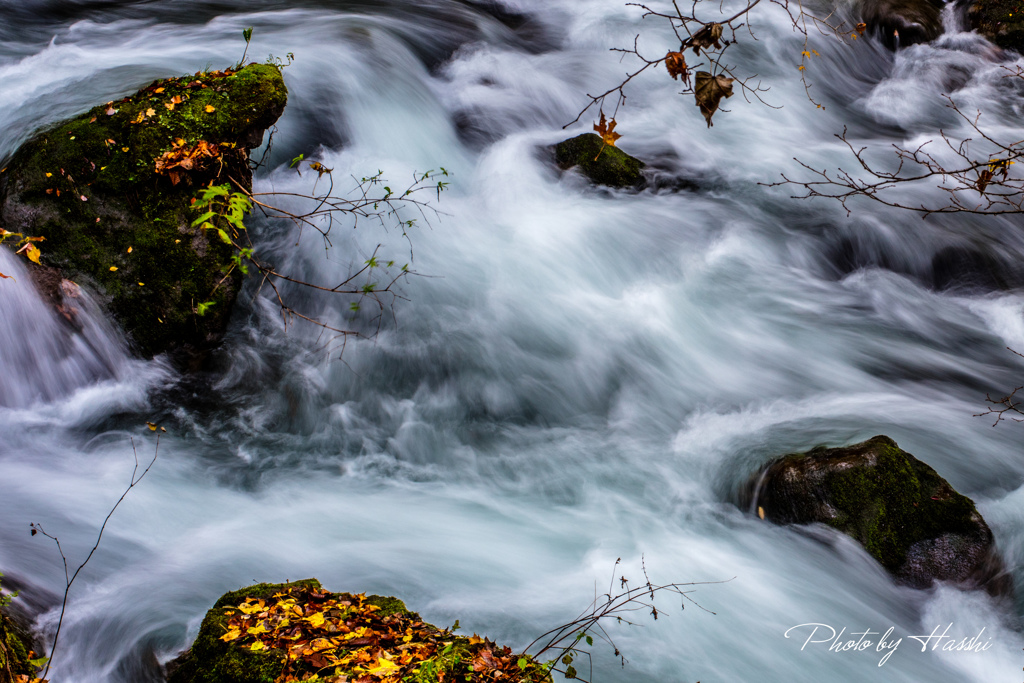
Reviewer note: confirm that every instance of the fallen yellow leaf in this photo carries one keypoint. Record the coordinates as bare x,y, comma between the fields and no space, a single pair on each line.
210,109
233,634
31,252
383,667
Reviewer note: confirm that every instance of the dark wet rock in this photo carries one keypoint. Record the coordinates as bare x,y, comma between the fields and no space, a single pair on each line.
964,269
602,164
904,514
89,186
900,23
1001,21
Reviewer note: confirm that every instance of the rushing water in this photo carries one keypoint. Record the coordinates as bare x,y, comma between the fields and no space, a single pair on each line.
585,375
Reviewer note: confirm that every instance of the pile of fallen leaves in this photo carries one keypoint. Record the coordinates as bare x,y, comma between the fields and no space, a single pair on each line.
345,638
185,157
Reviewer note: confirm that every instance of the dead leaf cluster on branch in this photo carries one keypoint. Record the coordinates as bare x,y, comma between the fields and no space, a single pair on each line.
709,31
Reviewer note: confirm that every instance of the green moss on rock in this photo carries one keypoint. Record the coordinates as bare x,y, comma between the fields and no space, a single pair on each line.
90,187
1001,21
15,650
601,163
904,514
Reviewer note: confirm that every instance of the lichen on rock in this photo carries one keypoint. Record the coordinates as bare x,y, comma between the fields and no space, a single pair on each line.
111,221
601,163
273,633
904,514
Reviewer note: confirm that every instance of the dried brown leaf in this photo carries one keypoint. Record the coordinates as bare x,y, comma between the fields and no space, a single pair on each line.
676,65
709,90
709,36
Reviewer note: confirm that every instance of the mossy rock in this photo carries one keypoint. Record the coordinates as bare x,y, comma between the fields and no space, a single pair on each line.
333,625
15,649
904,514
601,163
1001,21
89,186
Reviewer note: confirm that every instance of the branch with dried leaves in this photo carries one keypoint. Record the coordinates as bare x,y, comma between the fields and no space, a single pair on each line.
975,181
709,31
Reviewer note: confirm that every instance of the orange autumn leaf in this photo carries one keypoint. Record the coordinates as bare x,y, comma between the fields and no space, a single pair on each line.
606,129
676,65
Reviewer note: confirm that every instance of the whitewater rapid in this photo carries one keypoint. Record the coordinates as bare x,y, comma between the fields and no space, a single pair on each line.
579,375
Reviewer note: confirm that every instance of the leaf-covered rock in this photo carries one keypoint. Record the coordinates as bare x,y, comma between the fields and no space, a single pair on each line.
904,514
602,163
275,633
110,192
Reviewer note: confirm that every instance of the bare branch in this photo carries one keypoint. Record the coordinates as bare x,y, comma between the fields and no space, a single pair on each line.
69,579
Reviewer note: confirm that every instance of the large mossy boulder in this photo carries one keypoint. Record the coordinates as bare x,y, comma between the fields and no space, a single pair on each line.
904,514
1001,21
299,631
900,23
111,193
601,163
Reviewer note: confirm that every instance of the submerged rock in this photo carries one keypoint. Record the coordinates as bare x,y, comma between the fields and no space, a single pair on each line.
299,631
904,514
1001,21
601,163
115,223
900,23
